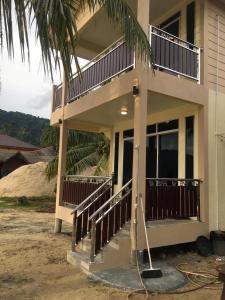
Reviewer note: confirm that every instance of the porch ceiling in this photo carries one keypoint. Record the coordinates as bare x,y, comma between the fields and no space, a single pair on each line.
99,32
161,7
109,113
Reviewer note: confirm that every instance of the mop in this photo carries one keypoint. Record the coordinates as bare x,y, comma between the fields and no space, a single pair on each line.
151,272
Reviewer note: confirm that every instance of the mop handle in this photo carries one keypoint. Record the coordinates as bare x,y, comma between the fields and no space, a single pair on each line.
146,235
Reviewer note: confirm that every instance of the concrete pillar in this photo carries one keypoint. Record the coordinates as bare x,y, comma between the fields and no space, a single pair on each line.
63,136
139,170
139,156
58,225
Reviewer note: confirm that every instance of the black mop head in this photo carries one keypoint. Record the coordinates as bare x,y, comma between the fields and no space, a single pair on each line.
151,273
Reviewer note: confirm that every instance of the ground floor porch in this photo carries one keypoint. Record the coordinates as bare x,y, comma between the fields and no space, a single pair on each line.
156,156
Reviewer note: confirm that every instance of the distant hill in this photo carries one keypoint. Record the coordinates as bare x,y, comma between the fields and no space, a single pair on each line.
25,127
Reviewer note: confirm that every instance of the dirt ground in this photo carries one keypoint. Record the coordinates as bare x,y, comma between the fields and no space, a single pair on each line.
33,264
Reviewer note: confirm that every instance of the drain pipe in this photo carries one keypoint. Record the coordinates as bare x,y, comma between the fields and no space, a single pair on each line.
216,137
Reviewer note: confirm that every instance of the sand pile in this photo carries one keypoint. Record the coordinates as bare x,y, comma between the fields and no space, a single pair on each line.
29,181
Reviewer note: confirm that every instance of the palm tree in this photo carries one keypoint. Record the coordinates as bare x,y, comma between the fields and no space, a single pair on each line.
56,28
84,150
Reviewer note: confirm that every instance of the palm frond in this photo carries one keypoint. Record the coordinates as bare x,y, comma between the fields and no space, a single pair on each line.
102,165
76,154
56,28
51,169
88,161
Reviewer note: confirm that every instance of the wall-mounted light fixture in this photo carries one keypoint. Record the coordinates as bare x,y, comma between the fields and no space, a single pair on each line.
124,111
136,87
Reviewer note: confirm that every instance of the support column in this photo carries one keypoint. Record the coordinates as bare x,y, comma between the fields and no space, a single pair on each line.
139,156
139,171
61,160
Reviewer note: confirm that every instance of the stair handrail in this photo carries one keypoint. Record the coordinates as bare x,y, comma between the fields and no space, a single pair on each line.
84,208
97,216
110,200
93,195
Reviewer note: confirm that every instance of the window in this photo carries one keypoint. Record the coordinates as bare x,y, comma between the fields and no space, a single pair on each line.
161,151
170,125
151,129
191,23
168,155
172,25
128,133
127,160
151,157
189,148
116,157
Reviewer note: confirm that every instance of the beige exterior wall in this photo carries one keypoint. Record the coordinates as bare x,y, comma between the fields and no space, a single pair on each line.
215,70
216,160
216,45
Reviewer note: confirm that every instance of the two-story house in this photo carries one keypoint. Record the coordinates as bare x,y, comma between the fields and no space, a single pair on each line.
165,126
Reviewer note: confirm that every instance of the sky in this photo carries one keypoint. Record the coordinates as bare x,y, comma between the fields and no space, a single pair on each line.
26,88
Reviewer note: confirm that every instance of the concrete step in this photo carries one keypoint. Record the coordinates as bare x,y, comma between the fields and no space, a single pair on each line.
85,245
114,254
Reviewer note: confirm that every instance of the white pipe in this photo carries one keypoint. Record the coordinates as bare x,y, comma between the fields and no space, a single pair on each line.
216,138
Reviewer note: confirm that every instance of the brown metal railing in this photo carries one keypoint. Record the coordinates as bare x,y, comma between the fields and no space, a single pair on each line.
77,188
116,59
175,55
57,97
110,218
112,62
172,198
81,214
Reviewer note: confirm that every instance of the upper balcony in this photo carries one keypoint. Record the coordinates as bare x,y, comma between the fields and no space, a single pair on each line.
171,55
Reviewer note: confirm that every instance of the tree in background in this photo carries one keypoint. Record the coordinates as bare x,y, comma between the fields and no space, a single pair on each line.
56,28
84,150
24,127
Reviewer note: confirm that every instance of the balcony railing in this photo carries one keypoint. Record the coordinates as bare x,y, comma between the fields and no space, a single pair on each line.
171,54
112,62
57,97
77,188
116,59
172,198
175,55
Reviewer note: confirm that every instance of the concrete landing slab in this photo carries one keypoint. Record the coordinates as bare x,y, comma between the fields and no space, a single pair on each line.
127,278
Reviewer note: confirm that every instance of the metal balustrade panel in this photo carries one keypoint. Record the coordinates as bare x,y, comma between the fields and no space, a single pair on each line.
57,102
174,55
75,192
103,189
172,199
111,64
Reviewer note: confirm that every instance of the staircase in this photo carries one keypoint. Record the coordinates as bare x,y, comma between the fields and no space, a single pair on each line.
101,237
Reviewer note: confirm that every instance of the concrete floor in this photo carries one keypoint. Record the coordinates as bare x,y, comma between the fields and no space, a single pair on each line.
127,278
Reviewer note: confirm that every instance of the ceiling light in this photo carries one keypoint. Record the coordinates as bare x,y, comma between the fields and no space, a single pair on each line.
124,111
